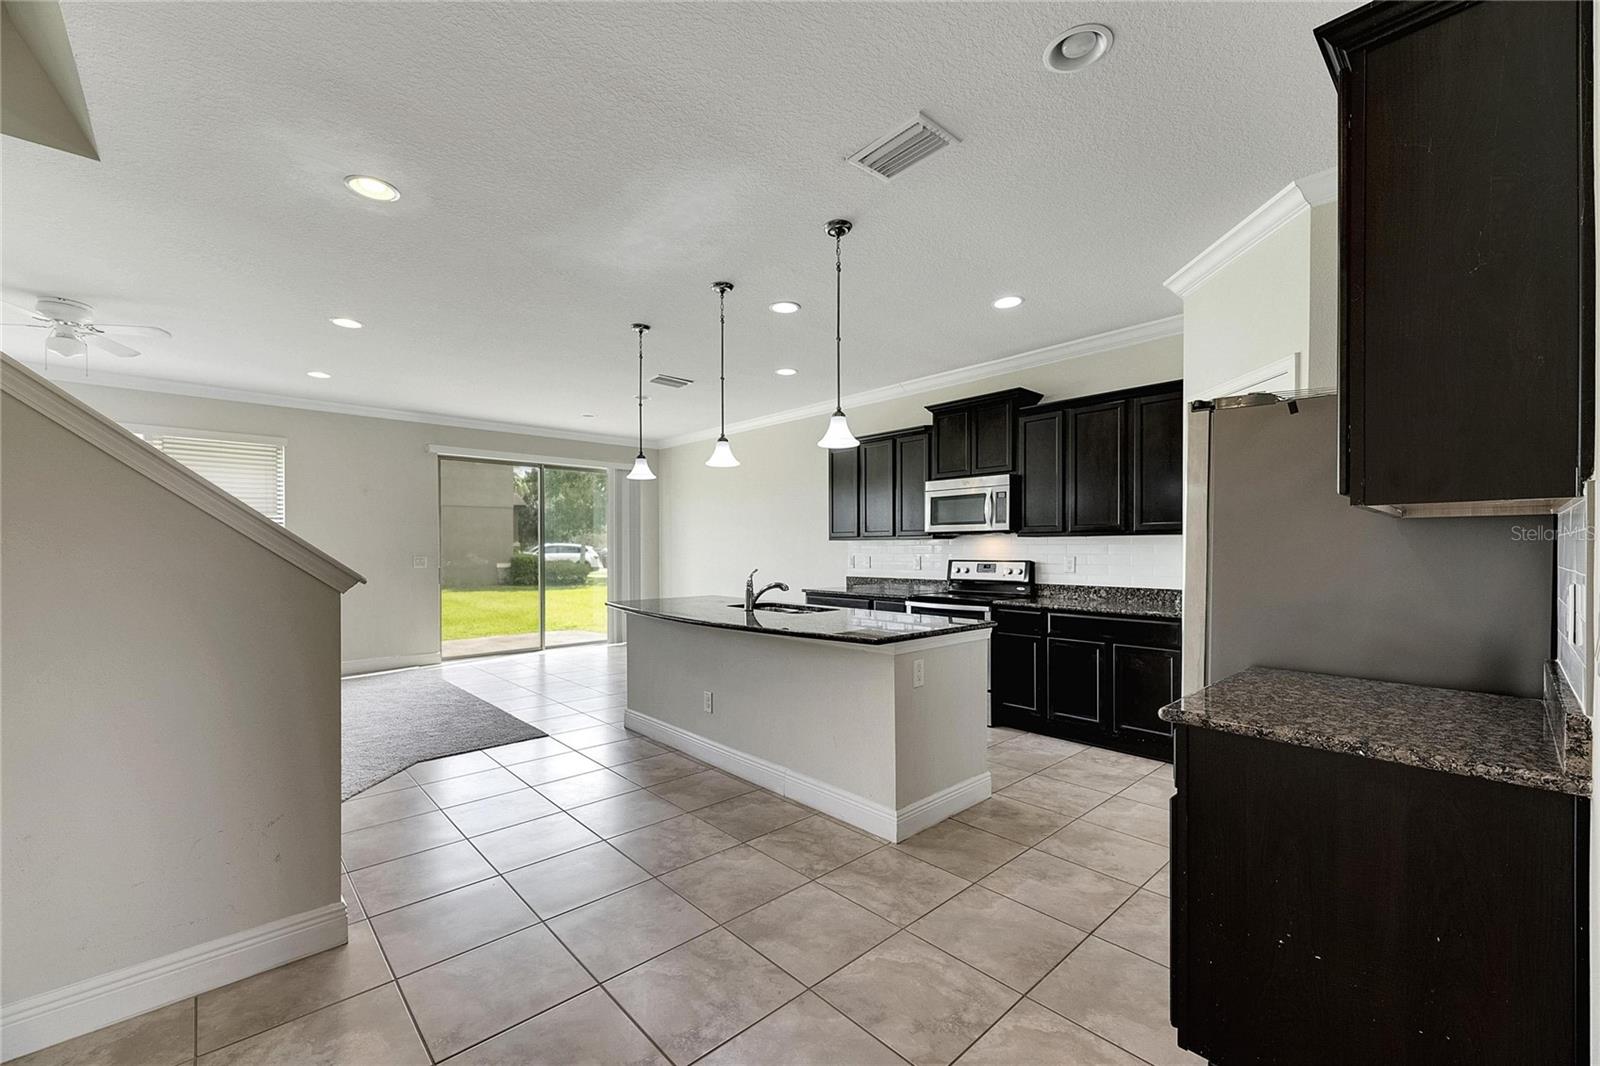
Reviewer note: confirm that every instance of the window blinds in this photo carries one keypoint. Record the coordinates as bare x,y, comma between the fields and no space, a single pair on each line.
249,470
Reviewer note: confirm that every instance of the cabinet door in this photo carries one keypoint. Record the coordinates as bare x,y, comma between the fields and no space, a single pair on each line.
1468,273
1157,453
1143,680
1040,439
911,477
844,495
1076,669
877,487
1016,677
991,438
952,444
1096,468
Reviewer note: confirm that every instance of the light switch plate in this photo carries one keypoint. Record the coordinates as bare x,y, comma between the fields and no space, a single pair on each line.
916,673
708,702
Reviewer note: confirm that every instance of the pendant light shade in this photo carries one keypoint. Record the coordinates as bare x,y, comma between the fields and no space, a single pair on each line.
641,466
838,435
722,454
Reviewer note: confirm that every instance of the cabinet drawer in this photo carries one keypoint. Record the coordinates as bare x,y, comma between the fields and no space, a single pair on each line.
824,599
1019,620
1156,632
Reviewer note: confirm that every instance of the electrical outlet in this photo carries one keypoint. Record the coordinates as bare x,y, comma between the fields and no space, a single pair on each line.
866,562
420,562
916,562
852,562
708,702
1069,565
917,676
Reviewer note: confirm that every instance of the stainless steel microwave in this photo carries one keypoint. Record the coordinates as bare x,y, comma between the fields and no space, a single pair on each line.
971,504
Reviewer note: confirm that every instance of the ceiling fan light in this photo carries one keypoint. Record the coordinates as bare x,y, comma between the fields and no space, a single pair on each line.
838,435
641,470
64,343
722,454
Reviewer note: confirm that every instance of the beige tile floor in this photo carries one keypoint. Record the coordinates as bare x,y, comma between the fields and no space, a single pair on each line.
594,897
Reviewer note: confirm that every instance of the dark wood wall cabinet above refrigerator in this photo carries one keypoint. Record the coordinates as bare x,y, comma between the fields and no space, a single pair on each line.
1103,464
1466,253
1093,678
977,435
876,490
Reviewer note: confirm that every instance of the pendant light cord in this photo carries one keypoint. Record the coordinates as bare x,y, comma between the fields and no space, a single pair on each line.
641,391
838,312
722,361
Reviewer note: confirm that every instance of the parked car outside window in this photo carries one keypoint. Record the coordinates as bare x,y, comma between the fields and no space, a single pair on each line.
569,553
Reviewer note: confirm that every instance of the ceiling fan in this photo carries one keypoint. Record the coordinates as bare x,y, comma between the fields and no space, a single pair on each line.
71,328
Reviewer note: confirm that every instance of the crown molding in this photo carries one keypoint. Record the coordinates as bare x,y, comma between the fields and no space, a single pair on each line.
1126,337
1286,205
100,432
332,407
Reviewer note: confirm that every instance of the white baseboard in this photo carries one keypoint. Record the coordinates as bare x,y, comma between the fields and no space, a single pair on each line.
876,818
51,1017
351,667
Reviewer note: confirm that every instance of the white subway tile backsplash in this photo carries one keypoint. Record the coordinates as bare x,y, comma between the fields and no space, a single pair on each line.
1134,562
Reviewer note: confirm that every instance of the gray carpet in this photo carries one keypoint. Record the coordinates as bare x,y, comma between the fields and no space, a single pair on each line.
394,720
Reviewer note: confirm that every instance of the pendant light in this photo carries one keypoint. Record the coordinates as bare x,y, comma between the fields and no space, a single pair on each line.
722,454
641,466
838,435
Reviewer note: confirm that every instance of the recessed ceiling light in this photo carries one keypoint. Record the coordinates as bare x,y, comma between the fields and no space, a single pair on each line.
1078,48
372,188
1006,303
786,371
345,323
785,307
320,375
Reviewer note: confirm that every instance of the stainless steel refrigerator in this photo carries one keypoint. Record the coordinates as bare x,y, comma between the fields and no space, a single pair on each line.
1281,571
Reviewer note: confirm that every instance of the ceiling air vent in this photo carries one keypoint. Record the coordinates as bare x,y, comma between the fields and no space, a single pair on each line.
911,143
670,382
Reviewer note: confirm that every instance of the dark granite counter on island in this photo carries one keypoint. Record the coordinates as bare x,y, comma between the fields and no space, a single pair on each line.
834,623
1474,734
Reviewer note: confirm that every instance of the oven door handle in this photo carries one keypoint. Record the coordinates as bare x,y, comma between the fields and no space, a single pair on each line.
947,609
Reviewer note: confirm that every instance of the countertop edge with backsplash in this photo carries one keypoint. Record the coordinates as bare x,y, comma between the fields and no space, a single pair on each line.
1474,734
1166,604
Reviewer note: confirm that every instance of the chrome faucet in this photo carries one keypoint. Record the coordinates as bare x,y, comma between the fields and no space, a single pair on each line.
751,595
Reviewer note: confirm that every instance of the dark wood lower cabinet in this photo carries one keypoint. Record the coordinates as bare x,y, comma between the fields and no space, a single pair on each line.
1334,909
1099,679
833,599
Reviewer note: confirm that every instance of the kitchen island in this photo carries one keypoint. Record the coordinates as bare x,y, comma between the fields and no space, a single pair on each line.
876,719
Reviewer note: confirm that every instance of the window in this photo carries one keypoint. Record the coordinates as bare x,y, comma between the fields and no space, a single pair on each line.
249,468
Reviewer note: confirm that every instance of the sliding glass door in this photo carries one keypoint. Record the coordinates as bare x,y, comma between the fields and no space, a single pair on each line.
522,556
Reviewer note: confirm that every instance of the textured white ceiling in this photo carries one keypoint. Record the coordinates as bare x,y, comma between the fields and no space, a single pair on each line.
567,169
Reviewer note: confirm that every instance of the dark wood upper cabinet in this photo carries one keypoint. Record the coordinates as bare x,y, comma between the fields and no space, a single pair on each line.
977,436
1097,456
878,494
1466,213
910,476
1156,426
876,490
951,443
1041,444
844,494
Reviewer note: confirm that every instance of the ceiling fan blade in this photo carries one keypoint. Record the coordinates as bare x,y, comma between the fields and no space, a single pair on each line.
30,312
133,331
121,351
24,325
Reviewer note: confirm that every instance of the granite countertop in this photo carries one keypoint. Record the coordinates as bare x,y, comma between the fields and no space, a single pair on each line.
1475,734
1166,604
840,624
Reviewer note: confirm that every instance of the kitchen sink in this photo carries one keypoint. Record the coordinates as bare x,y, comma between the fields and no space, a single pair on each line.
787,608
